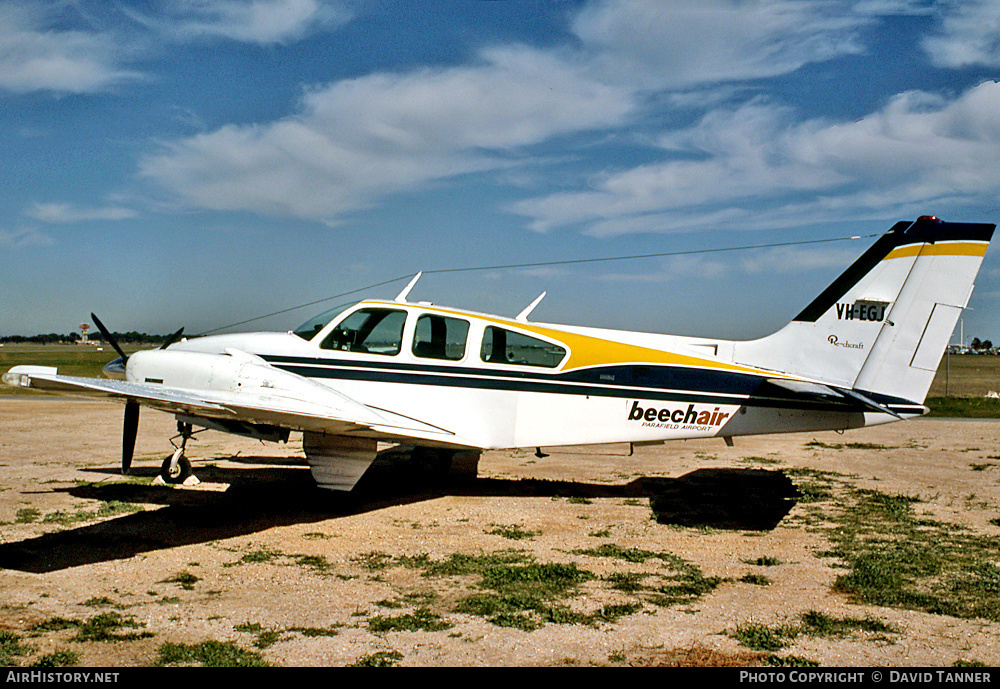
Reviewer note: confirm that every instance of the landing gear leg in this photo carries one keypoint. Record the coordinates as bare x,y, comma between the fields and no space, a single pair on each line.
176,469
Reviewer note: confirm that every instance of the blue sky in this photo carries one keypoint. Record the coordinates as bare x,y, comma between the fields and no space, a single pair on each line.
197,163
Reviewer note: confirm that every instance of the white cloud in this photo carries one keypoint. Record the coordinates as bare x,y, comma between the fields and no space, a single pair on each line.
788,259
69,213
671,269
20,239
689,42
37,56
52,47
356,140
353,142
250,21
969,34
770,261
755,162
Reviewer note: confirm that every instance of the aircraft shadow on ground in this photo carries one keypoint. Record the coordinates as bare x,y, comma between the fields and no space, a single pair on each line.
261,498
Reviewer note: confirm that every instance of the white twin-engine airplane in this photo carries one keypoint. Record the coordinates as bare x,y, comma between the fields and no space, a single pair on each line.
863,352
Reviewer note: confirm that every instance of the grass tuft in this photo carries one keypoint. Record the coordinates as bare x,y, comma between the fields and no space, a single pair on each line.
422,620
11,648
107,626
209,654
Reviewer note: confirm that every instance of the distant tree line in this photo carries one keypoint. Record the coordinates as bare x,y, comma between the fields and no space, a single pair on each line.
132,337
978,345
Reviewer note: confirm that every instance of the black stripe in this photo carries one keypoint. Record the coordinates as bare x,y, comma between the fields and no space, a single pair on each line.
850,277
632,376
494,382
643,381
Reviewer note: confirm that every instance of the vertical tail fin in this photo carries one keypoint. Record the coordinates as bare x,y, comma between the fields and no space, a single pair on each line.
883,325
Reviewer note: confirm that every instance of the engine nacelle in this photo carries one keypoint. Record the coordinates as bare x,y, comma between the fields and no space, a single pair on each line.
244,379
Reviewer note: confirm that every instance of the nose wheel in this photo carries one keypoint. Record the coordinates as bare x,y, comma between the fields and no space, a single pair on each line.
176,469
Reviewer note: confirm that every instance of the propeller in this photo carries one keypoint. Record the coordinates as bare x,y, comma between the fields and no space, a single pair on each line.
129,430
116,369
173,338
109,337
131,426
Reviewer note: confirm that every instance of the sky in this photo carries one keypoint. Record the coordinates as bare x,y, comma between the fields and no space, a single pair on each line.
206,163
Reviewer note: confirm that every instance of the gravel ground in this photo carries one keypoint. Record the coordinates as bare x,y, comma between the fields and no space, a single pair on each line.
258,560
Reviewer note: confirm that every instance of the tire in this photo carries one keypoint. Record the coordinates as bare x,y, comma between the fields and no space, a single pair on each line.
183,470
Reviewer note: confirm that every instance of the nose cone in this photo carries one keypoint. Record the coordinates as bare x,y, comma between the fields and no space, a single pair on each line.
115,369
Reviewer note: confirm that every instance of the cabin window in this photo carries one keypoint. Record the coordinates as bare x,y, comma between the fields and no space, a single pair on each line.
372,331
440,337
502,346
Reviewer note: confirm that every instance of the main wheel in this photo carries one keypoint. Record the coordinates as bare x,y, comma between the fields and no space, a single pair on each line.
180,473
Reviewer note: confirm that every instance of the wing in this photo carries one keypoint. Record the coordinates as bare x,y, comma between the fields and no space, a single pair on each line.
290,401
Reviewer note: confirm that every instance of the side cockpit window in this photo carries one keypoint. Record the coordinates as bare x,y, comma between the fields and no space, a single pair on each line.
315,325
371,331
440,337
501,346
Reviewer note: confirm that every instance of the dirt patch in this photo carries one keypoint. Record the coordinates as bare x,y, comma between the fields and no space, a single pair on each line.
690,553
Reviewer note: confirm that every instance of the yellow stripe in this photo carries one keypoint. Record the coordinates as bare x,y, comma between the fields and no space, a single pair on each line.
593,351
940,249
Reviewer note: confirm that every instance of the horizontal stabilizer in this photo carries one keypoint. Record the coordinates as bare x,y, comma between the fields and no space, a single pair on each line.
827,393
870,403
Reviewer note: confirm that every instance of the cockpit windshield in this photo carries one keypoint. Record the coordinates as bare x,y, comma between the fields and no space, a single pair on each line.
311,328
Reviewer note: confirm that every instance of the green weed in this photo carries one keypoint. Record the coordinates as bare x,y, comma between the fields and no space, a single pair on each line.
107,626
848,446
264,637
513,532
380,659
760,637
27,515
894,558
185,580
62,658
820,624
260,555
100,602
765,561
312,632
209,654
11,648
422,620
772,660
54,624
627,581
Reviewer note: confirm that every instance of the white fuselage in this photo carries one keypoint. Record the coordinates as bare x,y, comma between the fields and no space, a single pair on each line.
608,387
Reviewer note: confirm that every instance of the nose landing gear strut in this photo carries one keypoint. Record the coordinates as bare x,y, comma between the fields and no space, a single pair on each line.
176,469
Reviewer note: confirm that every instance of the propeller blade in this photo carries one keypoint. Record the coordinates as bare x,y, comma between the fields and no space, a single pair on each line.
129,432
173,338
107,336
